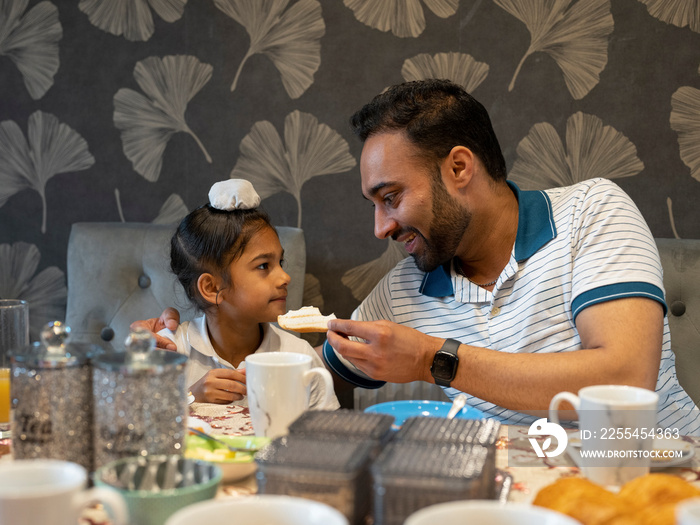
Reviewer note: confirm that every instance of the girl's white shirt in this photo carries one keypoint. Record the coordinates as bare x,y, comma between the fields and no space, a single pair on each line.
192,340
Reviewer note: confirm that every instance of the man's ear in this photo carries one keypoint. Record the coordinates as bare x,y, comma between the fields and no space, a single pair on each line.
458,167
209,287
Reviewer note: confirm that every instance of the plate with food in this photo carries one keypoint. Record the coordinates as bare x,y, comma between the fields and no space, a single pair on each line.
671,452
199,424
650,498
234,465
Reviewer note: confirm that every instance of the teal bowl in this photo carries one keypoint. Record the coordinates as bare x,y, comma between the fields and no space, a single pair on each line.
402,410
155,487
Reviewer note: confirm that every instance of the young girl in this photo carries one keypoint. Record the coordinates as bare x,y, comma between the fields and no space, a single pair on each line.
229,260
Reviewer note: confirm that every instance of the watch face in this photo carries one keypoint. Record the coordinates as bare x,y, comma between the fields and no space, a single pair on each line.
444,366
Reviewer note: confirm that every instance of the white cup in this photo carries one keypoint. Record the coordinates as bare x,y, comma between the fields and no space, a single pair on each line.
265,509
480,512
616,425
688,512
278,385
51,492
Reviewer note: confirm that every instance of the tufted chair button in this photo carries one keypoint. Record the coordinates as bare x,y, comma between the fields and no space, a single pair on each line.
107,334
678,308
144,281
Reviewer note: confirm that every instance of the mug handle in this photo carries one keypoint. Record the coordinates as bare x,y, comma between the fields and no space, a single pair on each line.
557,400
327,381
110,498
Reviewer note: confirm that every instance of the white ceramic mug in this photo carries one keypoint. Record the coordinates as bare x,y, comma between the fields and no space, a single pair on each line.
51,492
278,385
617,424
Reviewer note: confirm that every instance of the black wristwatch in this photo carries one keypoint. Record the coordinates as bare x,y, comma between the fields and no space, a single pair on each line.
444,367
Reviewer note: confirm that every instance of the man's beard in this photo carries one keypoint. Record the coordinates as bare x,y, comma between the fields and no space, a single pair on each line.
450,221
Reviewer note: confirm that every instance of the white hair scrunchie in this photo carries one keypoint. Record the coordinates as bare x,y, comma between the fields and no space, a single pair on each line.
233,194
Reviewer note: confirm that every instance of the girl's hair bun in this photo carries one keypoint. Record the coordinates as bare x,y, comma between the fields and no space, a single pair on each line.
233,194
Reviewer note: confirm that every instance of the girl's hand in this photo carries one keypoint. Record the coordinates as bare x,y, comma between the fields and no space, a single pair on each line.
220,385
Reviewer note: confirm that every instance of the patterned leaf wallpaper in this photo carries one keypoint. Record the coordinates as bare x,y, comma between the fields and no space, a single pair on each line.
116,110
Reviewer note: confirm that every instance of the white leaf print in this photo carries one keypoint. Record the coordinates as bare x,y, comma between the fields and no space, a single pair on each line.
51,148
130,18
172,211
45,292
669,205
310,149
680,13
575,37
313,297
362,279
147,123
458,67
685,120
117,198
312,292
594,150
405,18
31,42
291,39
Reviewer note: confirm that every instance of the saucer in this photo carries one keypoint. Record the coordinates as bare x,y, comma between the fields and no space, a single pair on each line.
672,447
665,447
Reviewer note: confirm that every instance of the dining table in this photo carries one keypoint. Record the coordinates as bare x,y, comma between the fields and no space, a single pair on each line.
525,473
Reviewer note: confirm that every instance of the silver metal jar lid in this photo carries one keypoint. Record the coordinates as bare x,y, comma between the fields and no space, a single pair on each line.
55,350
141,357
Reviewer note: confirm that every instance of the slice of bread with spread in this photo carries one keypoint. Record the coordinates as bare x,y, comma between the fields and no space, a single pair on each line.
306,319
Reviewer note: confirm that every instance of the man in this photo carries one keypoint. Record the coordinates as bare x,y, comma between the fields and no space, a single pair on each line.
509,296
545,291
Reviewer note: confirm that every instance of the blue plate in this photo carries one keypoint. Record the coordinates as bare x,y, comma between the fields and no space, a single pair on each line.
401,410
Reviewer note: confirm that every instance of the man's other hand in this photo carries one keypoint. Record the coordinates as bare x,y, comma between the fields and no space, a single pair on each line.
170,318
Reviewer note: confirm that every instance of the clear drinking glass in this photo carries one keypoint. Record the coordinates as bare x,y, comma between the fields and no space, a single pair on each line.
14,333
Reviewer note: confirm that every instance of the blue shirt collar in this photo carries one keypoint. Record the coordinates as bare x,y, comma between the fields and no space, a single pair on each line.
535,229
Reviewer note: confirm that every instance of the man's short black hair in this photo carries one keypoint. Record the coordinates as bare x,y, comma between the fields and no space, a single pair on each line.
436,116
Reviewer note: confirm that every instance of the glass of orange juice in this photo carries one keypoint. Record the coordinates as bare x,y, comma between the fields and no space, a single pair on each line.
4,395
14,334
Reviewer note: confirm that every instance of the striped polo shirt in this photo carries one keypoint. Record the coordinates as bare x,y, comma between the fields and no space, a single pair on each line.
575,247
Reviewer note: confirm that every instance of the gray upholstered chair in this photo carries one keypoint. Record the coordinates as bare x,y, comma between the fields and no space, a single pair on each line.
680,259
120,272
